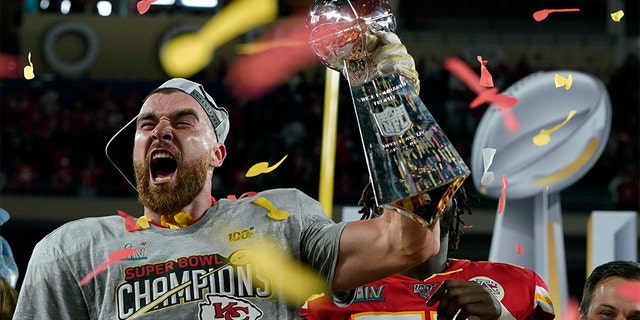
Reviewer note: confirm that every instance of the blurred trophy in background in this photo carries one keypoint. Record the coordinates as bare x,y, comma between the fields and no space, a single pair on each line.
412,165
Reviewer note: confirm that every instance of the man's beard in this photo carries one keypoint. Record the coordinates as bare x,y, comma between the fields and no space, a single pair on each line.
171,198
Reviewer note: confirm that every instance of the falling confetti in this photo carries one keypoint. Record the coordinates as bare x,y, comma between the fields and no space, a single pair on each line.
262,46
543,14
630,290
188,53
562,81
571,310
273,58
503,195
274,213
293,281
486,80
144,5
543,137
617,16
113,258
519,248
484,95
492,96
28,70
487,159
262,167
510,121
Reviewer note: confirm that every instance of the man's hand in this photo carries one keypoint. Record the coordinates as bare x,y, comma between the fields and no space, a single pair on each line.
461,299
391,56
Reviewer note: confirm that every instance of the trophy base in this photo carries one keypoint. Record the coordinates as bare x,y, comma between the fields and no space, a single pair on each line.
423,208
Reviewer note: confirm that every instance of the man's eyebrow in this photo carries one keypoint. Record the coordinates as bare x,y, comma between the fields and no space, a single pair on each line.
175,114
606,305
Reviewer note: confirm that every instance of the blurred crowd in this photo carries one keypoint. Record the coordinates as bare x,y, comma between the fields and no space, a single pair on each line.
54,134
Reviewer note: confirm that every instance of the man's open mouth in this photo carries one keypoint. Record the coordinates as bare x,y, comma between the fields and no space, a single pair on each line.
163,166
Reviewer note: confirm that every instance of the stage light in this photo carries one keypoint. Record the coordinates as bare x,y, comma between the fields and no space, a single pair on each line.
104,8
65,6
199,3
163,3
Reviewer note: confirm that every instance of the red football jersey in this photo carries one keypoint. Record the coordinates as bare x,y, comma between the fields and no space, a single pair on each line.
520,290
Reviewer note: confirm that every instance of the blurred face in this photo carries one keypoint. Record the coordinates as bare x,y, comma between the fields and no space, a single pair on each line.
175,152
608,303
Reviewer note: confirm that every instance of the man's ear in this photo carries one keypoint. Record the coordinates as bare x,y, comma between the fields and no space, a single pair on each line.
218,153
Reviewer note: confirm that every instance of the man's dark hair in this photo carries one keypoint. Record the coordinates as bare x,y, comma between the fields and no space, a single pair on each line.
628,270
450,222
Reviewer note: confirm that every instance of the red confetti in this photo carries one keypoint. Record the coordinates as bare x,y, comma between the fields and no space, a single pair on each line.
519,248
511,123
113,258
484,95
144,5
130,222
486,80
467,227
462,70
492,96
630,290
253,75
544,13
571,310
503,194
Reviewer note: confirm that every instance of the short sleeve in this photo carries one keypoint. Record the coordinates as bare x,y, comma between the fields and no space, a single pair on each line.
49,289
320,240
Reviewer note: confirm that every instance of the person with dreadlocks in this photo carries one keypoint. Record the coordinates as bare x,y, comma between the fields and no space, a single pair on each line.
443,288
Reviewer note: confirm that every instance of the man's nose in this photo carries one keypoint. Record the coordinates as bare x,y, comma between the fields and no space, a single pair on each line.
163,130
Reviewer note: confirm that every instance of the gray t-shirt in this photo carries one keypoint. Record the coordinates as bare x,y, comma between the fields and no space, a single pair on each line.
176,273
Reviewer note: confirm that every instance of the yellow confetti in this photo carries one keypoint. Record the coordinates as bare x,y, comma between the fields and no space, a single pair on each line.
143,222
292,280
543,137
176,221
28,70
616,16
262,167
183,218
274,213
257,47
188,53
562,81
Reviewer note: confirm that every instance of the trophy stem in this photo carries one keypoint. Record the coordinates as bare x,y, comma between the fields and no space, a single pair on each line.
412,164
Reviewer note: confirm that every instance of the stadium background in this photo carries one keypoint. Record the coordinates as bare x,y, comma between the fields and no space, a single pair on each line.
54,127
